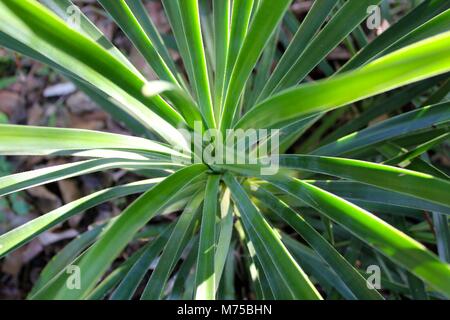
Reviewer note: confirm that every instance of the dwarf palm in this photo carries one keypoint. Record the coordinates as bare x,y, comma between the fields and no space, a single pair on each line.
356,192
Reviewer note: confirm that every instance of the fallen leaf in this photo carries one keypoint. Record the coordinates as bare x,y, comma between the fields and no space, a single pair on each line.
48,238
35,115
46,200
10,102
59,89
80,103
69,190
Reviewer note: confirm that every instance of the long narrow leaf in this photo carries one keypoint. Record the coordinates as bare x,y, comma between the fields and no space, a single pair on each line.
125,18
342,267
29,179
419,61
305,33
205,277
191,23
262,28
114,239
293,277
178,240
417,184
391,242
29,140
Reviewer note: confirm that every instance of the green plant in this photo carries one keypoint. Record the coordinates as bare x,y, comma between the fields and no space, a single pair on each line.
356,195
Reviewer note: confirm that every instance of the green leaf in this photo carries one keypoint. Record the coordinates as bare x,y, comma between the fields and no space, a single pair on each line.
66,256
404,124
191,23
140,13
382,105
263,70
405,158
68,11
420,15
29,140
439,95
354,191
136,273
289,134
317,267
240,20
349,16
225,235
205,278
228,292
294,280
122,112
413,63
125,18
178,240
35,26
182,102
181,283
263,26
26,232
259,280
110,281
417,184
173,13
355,282
24,180
207,27
435,26
221,11
442,235
378,234
328,121
113,240
299,44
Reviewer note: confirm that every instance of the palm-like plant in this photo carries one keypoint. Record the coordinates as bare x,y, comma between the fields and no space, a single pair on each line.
356,195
